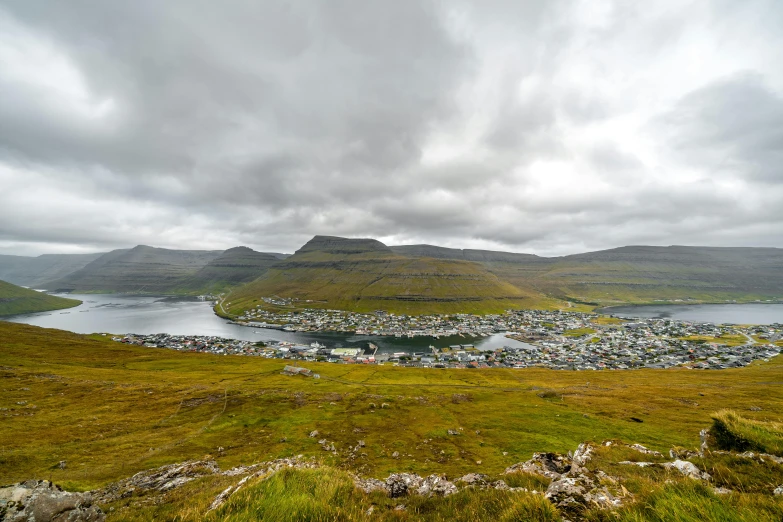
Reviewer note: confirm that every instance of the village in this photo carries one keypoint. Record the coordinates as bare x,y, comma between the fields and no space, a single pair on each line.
549,339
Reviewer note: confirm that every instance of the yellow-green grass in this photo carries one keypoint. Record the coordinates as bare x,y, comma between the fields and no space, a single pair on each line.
110,410
727,339
735,432
17,300
579,332
369,281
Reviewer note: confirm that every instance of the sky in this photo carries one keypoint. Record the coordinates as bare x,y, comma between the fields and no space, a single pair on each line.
550,127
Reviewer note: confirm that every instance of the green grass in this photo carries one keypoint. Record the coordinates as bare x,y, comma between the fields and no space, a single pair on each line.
578,332
727,339
734,432
691,501
110,410
363,282
17,300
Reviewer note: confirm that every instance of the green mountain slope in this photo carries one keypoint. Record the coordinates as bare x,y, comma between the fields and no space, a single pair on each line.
36,271
17,300
233,267
365,275
636,274
140,269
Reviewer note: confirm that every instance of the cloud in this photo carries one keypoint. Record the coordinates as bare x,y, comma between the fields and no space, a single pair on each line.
547,127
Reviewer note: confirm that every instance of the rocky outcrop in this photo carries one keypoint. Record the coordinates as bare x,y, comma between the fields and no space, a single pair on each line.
549,465
159,480
42,501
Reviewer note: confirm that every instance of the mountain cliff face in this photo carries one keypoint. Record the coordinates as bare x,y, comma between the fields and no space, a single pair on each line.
634,274
233,267
365,274
139,269
35,271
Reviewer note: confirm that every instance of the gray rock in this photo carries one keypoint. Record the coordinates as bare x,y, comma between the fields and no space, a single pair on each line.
436,485
473,479
549,465
688,469
313,434
161,480
368,485
778,491
398,484
41,501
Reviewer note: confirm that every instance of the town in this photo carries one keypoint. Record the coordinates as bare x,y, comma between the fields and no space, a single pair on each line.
550,339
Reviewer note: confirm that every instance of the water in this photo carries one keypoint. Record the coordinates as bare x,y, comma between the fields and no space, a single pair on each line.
752,313
121,314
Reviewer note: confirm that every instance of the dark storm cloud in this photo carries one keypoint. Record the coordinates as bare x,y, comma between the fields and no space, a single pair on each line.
535,126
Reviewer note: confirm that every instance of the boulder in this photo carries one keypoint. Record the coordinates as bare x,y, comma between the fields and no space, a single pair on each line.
473,479
778,491
159,480
398,484
42,501
549,465
436,485
688,469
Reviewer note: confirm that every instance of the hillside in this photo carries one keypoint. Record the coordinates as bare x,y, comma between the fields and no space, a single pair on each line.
139,269
108,411
17,300
36,271
233,267
635,274
365,275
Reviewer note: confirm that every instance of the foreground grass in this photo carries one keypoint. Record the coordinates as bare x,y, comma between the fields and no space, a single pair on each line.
734,432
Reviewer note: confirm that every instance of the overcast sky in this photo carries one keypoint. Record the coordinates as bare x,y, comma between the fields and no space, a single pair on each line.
550,127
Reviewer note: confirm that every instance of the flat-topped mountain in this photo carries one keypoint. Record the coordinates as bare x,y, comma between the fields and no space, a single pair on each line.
365,275
343,246
35,271
17,300
481,256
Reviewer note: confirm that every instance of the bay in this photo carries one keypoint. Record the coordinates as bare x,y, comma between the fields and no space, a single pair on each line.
751,313
121,314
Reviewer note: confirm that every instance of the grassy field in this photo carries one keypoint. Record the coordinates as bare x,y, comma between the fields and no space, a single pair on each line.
17,300
110,410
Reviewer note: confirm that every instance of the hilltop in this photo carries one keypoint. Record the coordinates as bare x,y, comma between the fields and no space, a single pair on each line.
365,275
33,272
17,300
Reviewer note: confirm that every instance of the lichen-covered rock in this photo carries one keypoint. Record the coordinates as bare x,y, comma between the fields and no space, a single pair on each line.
368,485
549,465
42,501
778,491
473,479
436,485
688,469
160,480
398,484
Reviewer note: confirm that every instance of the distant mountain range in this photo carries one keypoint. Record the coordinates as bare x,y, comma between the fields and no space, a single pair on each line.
365,274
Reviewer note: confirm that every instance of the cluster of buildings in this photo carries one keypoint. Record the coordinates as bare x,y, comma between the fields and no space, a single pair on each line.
551,339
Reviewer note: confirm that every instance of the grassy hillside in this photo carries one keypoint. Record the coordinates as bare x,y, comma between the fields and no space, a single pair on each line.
365,275
17,300
635,274
36,271
110,410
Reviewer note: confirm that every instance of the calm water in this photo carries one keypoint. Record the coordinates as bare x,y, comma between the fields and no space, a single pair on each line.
754,313
121,314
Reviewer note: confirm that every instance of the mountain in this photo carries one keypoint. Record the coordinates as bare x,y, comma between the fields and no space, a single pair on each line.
17,300
35,271
139,269
365,275
635,274
233,267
